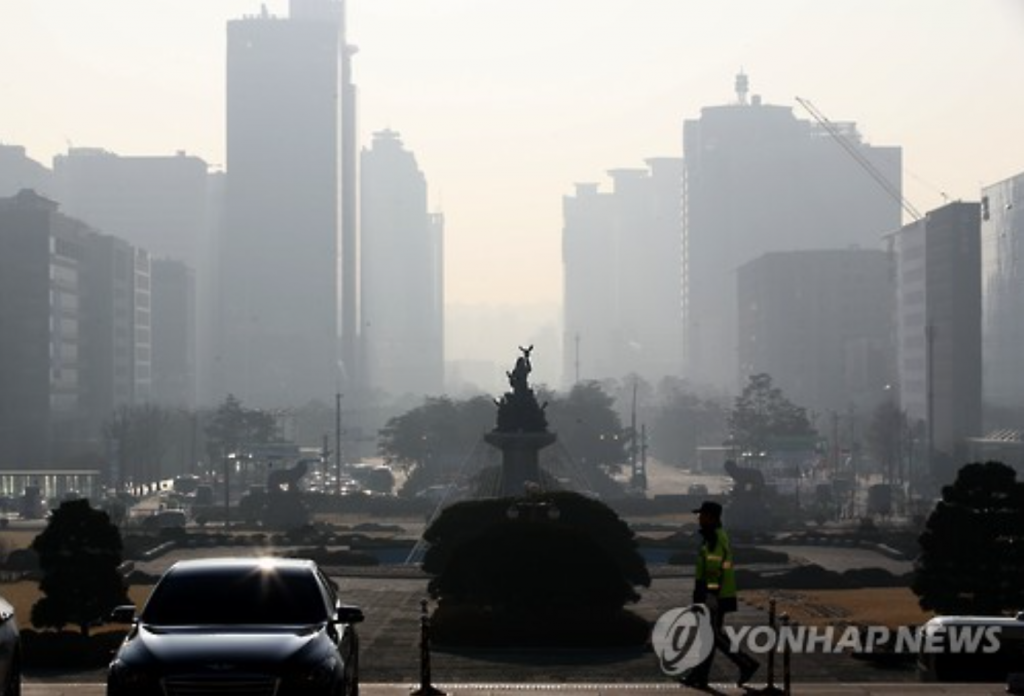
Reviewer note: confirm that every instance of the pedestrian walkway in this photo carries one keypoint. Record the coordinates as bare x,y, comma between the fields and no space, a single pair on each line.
94,689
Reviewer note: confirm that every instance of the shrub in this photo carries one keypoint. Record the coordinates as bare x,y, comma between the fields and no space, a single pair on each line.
585,558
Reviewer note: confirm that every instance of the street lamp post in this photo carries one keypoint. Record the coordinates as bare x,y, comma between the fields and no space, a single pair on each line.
227,490
337,441
930,333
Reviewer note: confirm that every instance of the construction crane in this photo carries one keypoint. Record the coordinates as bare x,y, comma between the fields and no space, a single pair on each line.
858,156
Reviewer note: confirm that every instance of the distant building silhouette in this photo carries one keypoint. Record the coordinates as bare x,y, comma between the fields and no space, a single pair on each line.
758,180
820,323
165,205
18,171
938,329
1002,288
174,320
402,274
283,246
621,255
116,325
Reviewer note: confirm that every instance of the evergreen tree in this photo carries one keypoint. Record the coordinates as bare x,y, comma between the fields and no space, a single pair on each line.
79,554
762,413
972,548
233,426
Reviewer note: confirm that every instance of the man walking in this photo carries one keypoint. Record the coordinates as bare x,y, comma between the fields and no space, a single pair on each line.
715,587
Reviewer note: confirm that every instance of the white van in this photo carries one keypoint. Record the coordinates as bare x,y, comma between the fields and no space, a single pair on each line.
994,649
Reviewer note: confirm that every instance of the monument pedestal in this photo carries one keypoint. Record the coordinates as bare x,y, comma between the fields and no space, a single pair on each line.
519,458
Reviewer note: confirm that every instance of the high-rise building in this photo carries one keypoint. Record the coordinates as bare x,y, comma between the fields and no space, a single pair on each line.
161,204
938,330
1002,297
621,258
757,179
156,202
820,323
401,274
18,172
76,333
41,257
174,319
284,239
116,328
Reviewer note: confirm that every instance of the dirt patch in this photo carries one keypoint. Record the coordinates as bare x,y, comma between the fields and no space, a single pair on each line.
14,539
884,606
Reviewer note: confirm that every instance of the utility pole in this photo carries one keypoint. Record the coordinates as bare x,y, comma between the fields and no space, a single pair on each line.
337,441
633,449
227,490
577,358
325,462
835,441
929,334
632,430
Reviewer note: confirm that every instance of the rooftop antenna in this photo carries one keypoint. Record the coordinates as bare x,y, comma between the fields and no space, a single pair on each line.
742,87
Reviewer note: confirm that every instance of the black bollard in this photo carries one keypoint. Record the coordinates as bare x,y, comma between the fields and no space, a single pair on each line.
425,688
770,687
786,654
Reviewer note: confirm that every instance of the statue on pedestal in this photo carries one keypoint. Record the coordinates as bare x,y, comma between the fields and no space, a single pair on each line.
521,430
518,410
748,508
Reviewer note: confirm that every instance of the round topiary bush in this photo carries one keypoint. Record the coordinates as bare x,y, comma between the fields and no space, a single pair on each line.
550,557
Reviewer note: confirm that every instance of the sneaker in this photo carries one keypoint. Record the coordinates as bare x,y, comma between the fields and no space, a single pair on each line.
747,671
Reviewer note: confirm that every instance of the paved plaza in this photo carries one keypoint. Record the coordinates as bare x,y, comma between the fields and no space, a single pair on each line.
506,689
391,599
390,639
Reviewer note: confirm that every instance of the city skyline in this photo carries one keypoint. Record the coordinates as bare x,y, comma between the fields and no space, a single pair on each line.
506,125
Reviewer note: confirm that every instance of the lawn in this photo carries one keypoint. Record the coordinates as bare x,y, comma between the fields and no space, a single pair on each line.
24,593
884,606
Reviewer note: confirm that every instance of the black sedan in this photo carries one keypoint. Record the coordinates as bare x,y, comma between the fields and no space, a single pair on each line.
10,651
253,626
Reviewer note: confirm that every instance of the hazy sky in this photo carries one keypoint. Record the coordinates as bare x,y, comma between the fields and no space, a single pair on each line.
507,104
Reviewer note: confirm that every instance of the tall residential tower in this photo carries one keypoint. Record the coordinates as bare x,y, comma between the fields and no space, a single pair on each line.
284,245
402,274
622,286
938,330
1002,297
759,180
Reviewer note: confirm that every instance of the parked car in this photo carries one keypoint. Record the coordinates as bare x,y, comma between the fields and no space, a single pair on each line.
166,519
258,626
989,661
10,651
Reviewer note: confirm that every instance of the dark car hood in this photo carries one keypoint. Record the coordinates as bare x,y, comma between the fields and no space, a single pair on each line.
219,649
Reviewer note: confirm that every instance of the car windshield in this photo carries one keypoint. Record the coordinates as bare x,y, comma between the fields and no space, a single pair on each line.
230,596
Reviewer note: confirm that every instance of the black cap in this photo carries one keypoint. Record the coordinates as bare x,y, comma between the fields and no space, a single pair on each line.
710,507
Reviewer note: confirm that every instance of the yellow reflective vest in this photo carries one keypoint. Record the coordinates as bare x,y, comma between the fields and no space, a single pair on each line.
715,567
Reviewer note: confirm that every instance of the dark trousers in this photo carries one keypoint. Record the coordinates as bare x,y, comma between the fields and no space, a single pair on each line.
703,671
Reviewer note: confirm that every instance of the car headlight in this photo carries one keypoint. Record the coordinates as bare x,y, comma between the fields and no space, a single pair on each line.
123,676
319,674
